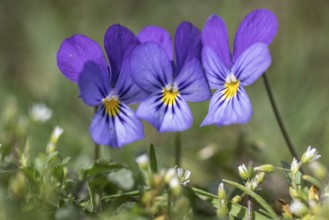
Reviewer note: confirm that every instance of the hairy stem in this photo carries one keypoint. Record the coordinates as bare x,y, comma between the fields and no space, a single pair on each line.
249,204
278,118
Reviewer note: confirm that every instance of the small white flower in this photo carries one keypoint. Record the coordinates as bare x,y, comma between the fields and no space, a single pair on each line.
183,176
294,167
243,172
298,208
174,182
40,112
174,185
310,155
170,174
143,161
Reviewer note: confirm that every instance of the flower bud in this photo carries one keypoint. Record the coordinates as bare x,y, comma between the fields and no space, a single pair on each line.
268,168
259,178
221,192
293,193
51,147
236,199
143,162
243,172
294,167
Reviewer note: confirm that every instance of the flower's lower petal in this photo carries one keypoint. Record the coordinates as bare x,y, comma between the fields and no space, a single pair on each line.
192,83
165,118
94,84
119,42
216,70
252,63
258,26
158,35
150,67
75,52
214,35
223,111
116,131
127,89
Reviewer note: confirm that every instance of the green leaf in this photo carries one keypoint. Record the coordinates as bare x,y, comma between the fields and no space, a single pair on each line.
235,210
153,159
241,212
312,180
103,168
65,160
251,193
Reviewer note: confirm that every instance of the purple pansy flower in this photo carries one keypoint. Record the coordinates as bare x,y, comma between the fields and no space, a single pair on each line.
169,85
230,104
109,87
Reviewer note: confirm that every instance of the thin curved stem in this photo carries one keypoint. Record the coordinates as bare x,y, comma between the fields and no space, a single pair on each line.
278,118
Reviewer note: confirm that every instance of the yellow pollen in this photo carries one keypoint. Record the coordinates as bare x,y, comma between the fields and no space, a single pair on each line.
111,106
231,89
169,96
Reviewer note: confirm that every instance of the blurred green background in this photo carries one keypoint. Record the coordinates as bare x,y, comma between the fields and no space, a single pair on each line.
32,31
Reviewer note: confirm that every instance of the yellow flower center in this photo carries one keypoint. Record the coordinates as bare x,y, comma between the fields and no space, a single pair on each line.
169,96
231,87
111,106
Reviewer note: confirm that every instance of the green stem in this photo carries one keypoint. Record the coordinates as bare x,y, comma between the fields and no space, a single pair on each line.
178,149
278,118
96,146
169,205
255,196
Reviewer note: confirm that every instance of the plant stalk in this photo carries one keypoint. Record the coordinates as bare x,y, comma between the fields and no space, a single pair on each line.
249,204
278,118
178,150
96,146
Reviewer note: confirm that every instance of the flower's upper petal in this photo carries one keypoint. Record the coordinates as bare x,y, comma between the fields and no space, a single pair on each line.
75,52
258,26
119,41
214,35
94,84
128,91
223,111
187,44
158,35
252,63
116,131
192,83
150,67
216,70
166,118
